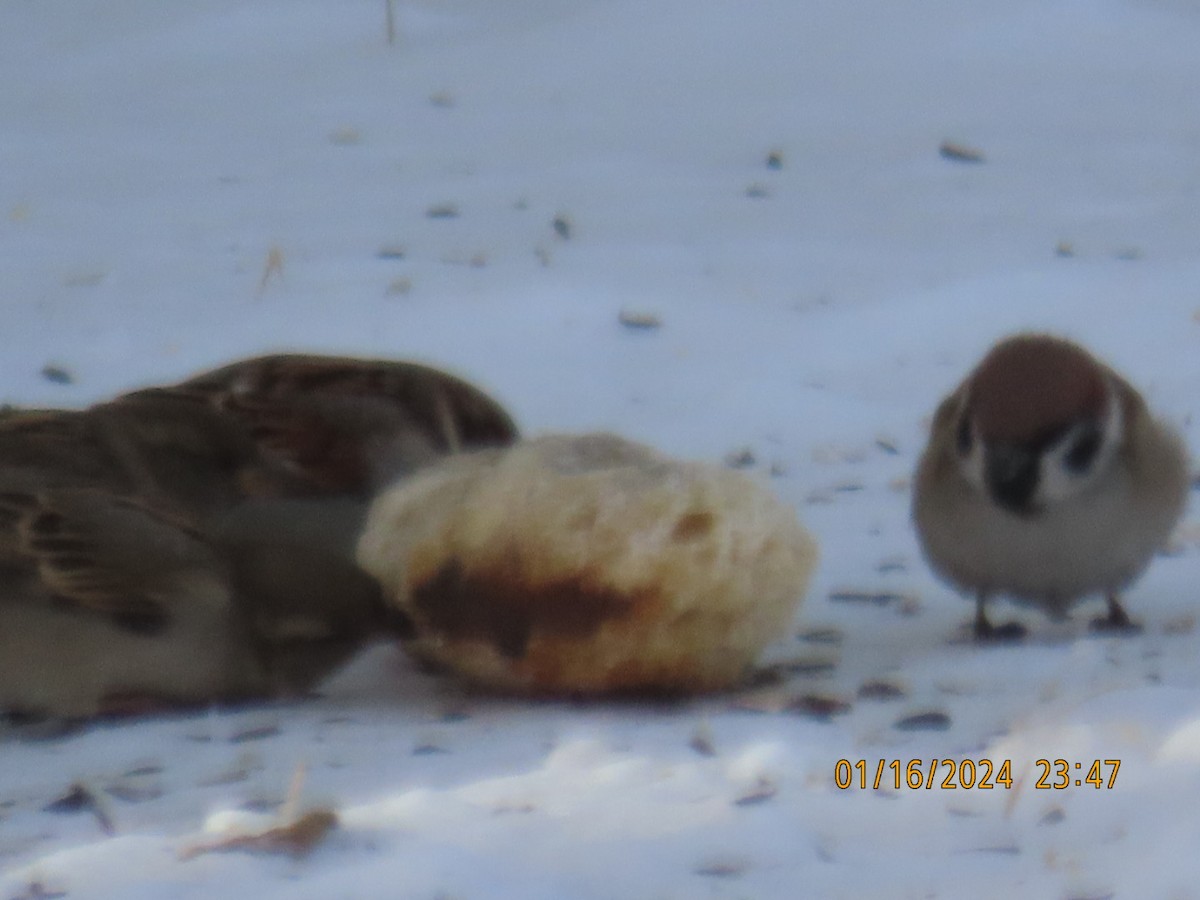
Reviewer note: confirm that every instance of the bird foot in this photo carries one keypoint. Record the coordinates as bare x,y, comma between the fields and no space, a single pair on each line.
1117,621
1116,625
986,632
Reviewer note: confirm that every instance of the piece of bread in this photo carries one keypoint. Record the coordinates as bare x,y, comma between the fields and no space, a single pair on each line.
588,564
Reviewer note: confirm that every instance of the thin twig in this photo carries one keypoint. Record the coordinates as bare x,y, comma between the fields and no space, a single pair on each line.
390,16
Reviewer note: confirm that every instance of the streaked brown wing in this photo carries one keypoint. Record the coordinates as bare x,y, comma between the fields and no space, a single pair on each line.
181,451
100,553
348,425
60,447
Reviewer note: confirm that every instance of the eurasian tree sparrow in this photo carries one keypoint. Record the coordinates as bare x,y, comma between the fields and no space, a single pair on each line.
1046,479
196,543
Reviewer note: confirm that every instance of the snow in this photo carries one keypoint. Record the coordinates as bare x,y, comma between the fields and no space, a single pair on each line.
187,184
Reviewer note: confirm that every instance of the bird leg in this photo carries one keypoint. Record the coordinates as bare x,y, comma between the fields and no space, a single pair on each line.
1117,621
986,631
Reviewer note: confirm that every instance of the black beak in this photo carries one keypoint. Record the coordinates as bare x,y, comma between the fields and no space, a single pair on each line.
1011,472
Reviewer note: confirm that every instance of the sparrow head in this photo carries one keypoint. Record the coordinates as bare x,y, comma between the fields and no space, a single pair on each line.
1040,421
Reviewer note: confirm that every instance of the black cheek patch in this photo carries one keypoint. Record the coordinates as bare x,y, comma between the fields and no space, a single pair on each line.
1012,476
1084,448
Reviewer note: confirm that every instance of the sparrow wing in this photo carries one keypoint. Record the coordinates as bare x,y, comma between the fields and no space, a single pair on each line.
96,552
56,447
347,425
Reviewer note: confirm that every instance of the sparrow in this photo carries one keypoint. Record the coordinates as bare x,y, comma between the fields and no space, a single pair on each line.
1046,478
195,543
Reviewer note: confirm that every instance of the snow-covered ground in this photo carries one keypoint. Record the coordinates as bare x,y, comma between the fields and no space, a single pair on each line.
182,184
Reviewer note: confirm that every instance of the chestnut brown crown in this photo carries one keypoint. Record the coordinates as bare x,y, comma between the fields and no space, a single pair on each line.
1040,417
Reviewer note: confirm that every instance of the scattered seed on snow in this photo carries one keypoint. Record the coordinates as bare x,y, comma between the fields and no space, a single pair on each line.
702,740
428,748
909,605
1052,816
399,287
254,733
723,868
817,706
454,714
57,374
760,792
821,636
345,137
85,278
147,769
808,667
876,598
959,812
880,690
957,152
1184,624
743,458
639,321
926,721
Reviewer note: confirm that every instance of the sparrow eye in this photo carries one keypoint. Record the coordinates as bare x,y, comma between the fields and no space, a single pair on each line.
962,437
1084,447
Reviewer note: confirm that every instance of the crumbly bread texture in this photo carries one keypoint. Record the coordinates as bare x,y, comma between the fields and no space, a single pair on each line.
588,564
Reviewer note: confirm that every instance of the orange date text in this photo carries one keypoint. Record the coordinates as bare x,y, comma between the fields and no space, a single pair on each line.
924,774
